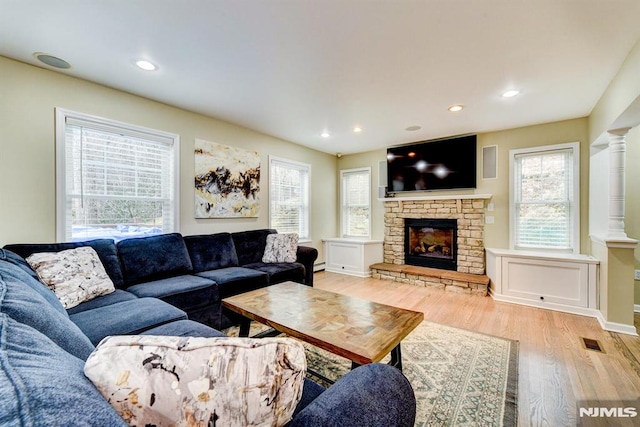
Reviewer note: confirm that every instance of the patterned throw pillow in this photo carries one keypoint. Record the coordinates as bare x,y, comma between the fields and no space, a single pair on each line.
281,248
187,381
74,275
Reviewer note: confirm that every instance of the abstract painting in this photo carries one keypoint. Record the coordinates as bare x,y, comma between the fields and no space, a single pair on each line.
227,181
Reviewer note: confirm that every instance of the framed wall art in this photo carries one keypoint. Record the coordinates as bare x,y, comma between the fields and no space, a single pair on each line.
227,181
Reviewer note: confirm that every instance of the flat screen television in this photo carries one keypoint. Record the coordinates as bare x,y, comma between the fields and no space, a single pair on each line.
442,164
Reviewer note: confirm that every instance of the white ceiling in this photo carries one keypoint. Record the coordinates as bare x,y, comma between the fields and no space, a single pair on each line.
296,68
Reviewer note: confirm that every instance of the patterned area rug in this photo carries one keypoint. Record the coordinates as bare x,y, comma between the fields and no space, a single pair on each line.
459,377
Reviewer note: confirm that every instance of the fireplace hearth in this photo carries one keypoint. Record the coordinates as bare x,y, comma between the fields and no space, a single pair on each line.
431,243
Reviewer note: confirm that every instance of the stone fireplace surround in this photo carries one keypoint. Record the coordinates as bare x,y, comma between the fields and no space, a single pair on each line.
468,210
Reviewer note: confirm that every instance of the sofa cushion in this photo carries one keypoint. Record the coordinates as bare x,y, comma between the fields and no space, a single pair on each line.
250,245
113,298
35,284
185,328
376,394
150,258
154,380
74,275
211,251
185,292
105,248
281,248
22,303
280,271
236,280
126,318
42,385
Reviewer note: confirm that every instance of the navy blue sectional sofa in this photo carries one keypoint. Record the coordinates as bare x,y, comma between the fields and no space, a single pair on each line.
161,283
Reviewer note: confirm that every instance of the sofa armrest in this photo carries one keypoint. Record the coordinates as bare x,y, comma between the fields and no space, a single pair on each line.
307,256
371,395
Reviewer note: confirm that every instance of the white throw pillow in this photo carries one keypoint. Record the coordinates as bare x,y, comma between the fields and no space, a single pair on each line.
187,381
74,275
281,248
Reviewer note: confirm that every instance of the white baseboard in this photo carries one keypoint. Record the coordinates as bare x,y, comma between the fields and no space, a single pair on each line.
350,273
616,327
604,324
582,311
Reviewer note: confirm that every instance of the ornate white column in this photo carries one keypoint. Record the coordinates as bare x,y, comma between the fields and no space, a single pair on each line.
617,155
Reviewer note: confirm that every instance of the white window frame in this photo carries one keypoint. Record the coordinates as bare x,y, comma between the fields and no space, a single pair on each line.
304,230
62,115
344,211
575,202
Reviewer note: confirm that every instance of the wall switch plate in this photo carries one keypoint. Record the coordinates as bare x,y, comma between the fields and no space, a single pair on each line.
489,219
490,207
636,275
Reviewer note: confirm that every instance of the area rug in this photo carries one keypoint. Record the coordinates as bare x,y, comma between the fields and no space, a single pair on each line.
460,378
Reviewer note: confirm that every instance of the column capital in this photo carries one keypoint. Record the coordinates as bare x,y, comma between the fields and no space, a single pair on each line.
619,132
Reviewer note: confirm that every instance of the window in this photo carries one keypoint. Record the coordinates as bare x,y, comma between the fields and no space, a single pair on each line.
544,193
355,195
114,180
289,196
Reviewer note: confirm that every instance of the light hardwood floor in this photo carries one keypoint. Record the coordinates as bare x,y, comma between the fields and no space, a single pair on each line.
555,370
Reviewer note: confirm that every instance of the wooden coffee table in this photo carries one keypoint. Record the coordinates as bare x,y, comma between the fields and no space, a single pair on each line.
359,330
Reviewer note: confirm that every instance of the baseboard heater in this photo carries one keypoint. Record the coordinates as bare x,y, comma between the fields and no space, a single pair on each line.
318,267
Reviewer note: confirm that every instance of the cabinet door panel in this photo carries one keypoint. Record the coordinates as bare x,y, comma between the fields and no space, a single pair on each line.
545,280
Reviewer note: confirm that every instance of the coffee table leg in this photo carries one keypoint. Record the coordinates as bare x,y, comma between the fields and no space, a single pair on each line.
245,325
396,357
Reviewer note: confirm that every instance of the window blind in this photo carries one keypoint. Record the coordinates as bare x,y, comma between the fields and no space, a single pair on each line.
289,197
544,200
119,182
356,202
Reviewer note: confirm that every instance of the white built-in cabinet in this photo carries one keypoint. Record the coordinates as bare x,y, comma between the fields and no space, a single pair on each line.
351,256
563,282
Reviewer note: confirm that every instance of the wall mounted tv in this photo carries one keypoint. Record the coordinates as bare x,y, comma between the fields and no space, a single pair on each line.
442,164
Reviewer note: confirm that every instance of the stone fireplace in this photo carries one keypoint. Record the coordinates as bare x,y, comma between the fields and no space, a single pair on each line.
468,212
460,247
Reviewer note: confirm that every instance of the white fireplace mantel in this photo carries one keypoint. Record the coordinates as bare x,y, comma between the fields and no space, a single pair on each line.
435,197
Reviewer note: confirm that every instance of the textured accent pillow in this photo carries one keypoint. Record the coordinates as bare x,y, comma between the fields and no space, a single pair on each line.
281,248
74,275
187,381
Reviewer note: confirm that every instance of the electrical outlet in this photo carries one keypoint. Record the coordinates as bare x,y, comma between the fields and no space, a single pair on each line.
489,219
636,275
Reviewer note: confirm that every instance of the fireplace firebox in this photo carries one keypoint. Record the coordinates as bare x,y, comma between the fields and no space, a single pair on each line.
431,243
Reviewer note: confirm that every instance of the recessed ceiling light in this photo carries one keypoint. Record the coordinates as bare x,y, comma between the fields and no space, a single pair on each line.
510,93
357,129
456,108
413,128
146,65
325,134
51,60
